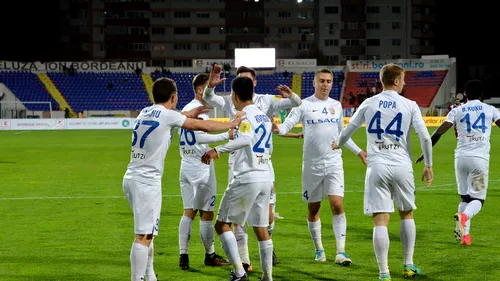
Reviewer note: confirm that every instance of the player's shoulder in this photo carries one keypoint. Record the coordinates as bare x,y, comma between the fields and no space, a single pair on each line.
191,105
334,102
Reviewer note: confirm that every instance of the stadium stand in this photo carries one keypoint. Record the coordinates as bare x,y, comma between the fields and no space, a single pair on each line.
421,86
308,88
28,88
102,91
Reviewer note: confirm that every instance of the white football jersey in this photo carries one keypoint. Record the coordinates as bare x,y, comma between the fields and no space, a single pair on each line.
268,104
190,150
473,124
389,117
252,147
322,122
151,139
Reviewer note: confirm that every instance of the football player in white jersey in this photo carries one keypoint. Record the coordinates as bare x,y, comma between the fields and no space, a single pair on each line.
269,104
246,198
198,182
322,168
151,137
472,156
389,176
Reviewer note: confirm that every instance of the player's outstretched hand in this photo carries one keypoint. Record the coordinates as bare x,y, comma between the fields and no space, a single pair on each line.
427,174
215,78
209,155
362,155
334,145
284,91
419,159
276,129
194,113
238,117
231,134
300,135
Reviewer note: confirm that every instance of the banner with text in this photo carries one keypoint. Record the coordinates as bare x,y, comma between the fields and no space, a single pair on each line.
282,63
66,124
408,65
86,66
125,123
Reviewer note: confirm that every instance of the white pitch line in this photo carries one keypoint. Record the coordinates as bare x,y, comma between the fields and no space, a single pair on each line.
22,132
432,188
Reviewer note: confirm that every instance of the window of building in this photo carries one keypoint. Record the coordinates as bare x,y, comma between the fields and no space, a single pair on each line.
182,30
158,30
331,10
372,42
372,25
203,30
182,46
203,15
182,14
180,63
372,9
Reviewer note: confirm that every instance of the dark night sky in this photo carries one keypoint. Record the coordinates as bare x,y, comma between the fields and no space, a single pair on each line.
464,31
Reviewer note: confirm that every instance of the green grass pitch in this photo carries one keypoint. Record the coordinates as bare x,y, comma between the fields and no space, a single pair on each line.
64,215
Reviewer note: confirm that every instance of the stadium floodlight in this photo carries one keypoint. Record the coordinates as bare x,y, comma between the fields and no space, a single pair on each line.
255,57
299,1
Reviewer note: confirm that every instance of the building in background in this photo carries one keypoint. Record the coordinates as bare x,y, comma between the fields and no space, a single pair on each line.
173,32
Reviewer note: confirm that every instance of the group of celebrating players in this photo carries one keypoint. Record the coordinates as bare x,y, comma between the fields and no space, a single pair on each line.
250,197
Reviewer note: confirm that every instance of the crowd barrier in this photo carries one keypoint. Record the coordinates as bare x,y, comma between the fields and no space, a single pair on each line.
122,123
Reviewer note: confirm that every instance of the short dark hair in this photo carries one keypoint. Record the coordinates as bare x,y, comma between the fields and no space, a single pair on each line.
474,89
323,70
163,89
246,69
243,87
200,80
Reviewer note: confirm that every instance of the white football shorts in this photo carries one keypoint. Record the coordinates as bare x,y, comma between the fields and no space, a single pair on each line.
386,185
272,199
320,181
246,202
145,201
472,176
198,187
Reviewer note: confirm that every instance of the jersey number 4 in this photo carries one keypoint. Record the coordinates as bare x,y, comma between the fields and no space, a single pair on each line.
257,147
152,125
374,126
481,118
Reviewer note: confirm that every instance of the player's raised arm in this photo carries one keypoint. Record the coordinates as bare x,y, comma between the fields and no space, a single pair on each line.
209,94
212,126
293,119
290,99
